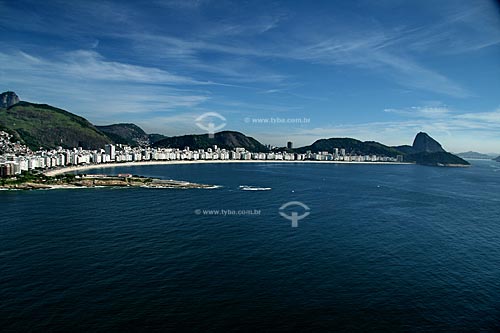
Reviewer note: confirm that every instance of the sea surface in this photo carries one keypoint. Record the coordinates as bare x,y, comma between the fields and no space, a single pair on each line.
384,247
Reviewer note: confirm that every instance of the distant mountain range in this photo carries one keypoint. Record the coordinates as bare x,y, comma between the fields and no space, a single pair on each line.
475,155
497,159
41,125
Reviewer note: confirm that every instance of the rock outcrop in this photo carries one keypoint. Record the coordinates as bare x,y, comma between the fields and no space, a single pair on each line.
8,98
423,143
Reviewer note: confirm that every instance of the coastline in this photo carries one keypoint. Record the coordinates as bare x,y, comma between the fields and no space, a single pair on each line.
55,172
106,181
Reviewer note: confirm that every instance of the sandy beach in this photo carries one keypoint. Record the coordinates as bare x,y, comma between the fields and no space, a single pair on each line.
59,171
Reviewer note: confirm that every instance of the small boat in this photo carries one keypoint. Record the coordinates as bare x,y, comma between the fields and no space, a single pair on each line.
253,188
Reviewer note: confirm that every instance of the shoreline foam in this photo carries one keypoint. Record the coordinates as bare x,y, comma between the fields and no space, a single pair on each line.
60,171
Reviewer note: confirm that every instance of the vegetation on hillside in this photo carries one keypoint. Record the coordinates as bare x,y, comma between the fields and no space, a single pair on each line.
224,140
41,125
129,134
435,159
36,177
352,147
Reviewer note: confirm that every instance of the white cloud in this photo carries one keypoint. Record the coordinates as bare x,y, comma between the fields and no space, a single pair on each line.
455,137
485,118
422,111
91,65
350,41
369,48
462,28
457,131
85,83
408,73
452,119
270,50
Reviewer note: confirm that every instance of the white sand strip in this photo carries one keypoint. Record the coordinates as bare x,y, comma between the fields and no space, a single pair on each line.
59,171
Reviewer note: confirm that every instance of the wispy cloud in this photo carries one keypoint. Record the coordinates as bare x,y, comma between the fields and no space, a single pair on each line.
124,61
482,119
456,136
454,119
86,83
91,65
422,111
365,44
462,28
374,50
456,130
84,64
408,72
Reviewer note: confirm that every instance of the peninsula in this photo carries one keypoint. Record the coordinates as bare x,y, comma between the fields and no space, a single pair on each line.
30,181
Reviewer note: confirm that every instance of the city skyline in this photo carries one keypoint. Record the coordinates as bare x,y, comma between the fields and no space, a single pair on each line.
20,159
370,71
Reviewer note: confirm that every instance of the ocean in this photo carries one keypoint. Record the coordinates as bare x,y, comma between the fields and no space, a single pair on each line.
376,247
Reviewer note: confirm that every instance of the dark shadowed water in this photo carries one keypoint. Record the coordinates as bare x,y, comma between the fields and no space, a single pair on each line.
384,248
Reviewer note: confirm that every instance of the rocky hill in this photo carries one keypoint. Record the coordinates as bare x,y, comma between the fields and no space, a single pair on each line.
129,134
225,140
153,138
422,143
352,147
8,98
427,151
41,125
436,159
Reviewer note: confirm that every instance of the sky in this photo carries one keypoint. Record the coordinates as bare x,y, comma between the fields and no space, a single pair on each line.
275,70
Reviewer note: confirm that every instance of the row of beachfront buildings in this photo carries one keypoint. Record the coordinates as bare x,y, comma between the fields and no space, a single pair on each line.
12,163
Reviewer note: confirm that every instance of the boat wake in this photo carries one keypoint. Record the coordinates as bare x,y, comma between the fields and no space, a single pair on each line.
253,188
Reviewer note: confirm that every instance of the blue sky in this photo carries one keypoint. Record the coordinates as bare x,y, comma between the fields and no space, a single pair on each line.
373,70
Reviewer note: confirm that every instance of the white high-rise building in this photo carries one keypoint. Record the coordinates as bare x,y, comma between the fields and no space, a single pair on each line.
110,150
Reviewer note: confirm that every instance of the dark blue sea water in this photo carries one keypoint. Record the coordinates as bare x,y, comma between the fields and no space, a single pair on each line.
385,247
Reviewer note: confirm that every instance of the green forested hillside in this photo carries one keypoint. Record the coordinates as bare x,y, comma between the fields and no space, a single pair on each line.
41,125
225,140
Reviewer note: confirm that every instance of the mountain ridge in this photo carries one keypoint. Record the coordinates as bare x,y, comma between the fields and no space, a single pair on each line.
42,125
475,155
129,134
223,139
124,133
425,150
351,145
